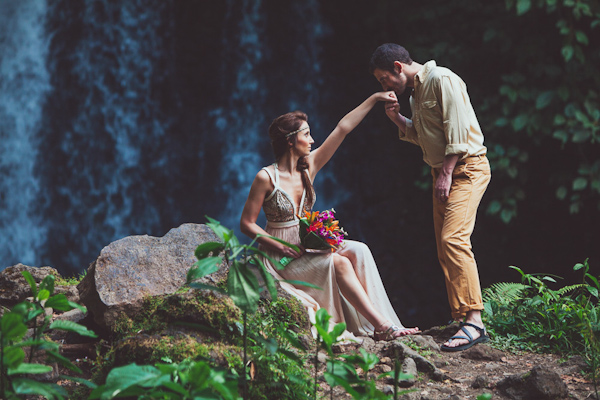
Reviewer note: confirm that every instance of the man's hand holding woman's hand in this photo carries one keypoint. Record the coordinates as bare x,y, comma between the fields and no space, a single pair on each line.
392,107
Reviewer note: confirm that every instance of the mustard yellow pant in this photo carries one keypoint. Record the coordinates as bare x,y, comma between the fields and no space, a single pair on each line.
453,222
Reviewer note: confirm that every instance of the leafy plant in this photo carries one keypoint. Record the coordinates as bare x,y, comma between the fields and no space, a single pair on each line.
532,316
242,284
13,341
551,105
185,380
343,372
277,353
71,281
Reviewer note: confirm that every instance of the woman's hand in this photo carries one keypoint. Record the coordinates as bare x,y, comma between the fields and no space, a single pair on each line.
386,96
289,252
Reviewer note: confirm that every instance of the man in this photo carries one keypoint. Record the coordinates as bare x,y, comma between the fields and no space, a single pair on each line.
444,125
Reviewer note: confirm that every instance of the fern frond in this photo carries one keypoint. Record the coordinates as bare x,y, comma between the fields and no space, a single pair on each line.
504,292
567,289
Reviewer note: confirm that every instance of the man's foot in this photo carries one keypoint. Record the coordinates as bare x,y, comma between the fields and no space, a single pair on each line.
467,336
389,331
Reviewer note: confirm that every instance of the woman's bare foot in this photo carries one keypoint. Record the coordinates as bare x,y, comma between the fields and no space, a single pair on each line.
389,331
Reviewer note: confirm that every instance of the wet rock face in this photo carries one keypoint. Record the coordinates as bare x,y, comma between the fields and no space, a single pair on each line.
136,267
539,384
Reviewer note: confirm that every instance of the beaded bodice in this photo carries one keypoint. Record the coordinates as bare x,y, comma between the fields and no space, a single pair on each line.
279,206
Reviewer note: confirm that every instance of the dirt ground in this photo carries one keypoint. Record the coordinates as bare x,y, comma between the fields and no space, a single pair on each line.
461,375
471,373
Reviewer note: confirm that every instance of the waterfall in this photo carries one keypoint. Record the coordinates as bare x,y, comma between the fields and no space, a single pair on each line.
24,85
265,86
111,125
107,127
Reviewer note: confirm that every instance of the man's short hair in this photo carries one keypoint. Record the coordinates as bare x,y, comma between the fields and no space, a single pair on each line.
384,56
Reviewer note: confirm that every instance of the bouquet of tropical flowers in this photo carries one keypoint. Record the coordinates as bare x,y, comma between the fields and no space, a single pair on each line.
320,231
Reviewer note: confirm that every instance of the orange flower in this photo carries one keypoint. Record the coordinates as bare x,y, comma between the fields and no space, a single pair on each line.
333,226
310,217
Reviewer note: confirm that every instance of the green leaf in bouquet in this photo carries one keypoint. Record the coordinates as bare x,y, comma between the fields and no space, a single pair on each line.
314,241
303,226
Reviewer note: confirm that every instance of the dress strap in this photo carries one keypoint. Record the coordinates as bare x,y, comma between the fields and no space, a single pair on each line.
275,186
276,174
270,176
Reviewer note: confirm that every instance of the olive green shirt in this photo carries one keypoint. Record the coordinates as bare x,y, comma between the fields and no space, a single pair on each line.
443,120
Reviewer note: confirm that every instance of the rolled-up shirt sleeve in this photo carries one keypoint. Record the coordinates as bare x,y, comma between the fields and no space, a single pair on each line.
410,134
456,124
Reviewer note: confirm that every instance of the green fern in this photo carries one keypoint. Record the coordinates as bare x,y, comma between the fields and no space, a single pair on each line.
564,290
504,292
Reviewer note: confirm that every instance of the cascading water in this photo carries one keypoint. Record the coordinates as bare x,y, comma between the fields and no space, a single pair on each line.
105,130
259,83
109,128
24,85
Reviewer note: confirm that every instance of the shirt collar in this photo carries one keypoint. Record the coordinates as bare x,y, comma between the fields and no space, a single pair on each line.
423,73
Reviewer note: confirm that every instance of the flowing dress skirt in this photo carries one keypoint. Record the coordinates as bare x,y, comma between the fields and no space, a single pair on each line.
318,269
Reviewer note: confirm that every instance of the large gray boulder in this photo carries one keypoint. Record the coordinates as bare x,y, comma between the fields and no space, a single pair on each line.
135,267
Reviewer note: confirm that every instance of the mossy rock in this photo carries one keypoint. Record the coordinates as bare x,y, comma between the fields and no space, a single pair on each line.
207,312
150,349
286,308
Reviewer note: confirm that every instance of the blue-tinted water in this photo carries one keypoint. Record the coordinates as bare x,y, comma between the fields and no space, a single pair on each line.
125,118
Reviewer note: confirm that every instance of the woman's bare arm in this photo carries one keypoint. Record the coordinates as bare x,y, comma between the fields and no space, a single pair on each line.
319,157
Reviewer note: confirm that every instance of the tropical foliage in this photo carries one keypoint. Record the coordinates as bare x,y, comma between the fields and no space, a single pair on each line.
532,316
19,351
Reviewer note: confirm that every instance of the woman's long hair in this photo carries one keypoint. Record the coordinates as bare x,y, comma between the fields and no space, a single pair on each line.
278,130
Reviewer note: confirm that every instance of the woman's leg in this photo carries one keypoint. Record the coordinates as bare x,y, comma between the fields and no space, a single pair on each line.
355,293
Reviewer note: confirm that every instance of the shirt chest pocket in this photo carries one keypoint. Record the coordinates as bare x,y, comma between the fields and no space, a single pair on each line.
428,105
430,111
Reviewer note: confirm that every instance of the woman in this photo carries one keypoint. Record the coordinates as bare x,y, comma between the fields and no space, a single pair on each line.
284,190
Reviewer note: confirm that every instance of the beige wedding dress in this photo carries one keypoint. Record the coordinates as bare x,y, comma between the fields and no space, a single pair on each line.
318,269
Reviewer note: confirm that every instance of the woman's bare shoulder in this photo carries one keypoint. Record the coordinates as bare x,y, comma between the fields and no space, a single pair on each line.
262,178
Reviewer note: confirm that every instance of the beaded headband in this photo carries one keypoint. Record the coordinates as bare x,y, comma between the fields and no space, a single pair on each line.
296,131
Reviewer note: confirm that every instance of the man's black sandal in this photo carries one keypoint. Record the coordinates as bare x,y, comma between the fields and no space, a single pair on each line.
481,339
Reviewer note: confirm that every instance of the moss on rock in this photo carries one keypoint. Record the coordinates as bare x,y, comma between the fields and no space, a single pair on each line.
206,311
